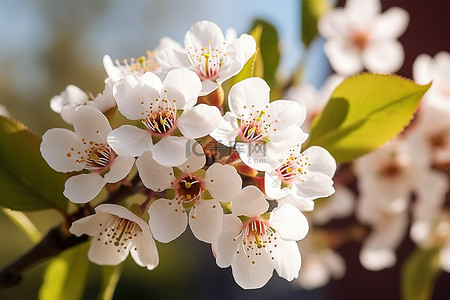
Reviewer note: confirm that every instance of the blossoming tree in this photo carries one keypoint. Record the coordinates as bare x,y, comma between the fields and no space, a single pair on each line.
195,130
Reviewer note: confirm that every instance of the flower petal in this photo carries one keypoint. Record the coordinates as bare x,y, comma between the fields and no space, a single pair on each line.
249,92
344,58
90,225
199,121
202,34
182,87
205,220
320,161
283,113
153,175
222,182
168,219
227,244
113,71
287,259
134,94
119,169
250,202
144,250
289,222
128,139
255,156
313,186
171,151
227,130
196,160
253,272
384,56
56,148
106,254
390,24
83,188
272,186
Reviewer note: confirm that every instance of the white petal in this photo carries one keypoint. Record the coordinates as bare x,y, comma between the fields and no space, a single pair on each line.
196,160
183,86
363,10
56,148
254,155
390,24
289,222
222,182
90,225
253,272
133,97
250,202
106,254
203,33
251,91
168,219
112,70
284,141
272,186
171,151
283,113
205,220
287,259
120,168
153,175
242,49
144,250
130,140
344,58
340,205
422,69
227,130
209,86
301,204
334,24
313,186
227,244
169,59
83,188
444,256
321,161
199,121
384,57
91,124
378,250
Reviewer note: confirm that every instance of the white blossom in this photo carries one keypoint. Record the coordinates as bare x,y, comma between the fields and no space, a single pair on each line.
254,244
360,37
116,232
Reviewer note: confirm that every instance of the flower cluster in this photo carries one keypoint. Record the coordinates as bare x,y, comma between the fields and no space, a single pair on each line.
170,118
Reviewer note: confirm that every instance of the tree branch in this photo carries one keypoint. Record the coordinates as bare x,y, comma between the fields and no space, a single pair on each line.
58,238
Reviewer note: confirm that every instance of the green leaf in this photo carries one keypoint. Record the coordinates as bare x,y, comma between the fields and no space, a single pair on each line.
419,273
364,112
110,278
311,11
269,49
23,223
26,181
66,275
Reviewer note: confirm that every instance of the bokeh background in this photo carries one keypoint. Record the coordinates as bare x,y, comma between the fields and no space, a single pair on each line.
46,45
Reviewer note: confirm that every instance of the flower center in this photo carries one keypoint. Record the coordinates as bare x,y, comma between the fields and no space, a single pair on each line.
359,39
97,158
141,65
188,188
292,169
255,128
208,61
161,120
118,232
439,140
391,169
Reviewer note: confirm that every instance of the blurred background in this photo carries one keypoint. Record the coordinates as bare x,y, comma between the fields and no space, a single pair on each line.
47,45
